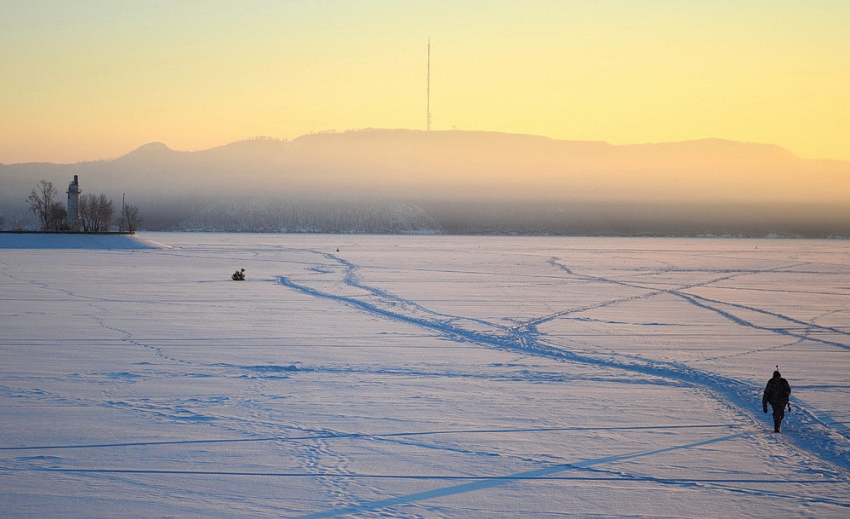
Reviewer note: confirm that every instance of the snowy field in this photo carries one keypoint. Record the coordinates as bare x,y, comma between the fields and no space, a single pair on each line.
421,377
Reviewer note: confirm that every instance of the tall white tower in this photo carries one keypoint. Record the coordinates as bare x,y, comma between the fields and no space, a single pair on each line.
73,220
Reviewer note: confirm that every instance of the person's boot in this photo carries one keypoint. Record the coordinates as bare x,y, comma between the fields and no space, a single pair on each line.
777,426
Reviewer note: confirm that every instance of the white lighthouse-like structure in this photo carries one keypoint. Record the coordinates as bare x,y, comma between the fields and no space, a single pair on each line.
73,220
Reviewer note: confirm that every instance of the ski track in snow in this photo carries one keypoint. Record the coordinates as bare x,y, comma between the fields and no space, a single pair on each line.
96,304
820,428
320,460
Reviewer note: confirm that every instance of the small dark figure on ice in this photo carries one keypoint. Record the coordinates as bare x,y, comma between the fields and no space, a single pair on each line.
776,393
239,275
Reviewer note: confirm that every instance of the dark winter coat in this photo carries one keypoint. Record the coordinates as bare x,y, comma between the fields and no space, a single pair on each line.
777,392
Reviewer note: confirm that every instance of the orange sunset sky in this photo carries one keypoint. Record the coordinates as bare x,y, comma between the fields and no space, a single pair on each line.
95,79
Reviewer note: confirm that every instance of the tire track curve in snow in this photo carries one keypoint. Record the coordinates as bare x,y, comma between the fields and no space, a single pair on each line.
714,305
822,436
491,482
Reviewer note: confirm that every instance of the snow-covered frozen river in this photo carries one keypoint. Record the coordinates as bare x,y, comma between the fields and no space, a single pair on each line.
422,377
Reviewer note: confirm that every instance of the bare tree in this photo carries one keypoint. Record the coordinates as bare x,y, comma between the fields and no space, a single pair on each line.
97,212
83,208
42,201
130,218
56,217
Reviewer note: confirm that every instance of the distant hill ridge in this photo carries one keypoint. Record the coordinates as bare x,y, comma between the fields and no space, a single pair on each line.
440,163
448,146
421,169
449,163
690,149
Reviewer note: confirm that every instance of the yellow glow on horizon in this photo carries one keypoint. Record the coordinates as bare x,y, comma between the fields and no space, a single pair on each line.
95,79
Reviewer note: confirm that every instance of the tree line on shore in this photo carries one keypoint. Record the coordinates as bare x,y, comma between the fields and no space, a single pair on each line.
96,212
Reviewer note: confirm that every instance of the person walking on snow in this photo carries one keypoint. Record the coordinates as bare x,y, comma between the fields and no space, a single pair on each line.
776,393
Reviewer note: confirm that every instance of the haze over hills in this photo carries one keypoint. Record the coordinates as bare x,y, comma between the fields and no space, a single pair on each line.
464,182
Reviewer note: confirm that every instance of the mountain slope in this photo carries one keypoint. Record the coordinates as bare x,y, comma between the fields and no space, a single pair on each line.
473,169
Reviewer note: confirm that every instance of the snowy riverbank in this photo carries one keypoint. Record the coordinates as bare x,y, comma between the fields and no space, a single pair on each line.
423,376
78,240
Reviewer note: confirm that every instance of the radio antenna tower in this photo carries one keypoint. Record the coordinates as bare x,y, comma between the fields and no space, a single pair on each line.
428,87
